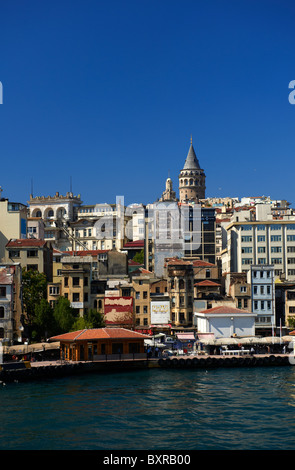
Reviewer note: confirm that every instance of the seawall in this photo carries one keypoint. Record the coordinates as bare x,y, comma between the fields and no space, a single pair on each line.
18,372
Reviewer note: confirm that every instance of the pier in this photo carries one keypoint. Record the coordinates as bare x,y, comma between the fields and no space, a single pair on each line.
24,371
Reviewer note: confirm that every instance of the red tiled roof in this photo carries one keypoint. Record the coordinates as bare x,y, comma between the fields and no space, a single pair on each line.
134,244
207,283
133,263
85,252
198,263
99,333
224,309
24,242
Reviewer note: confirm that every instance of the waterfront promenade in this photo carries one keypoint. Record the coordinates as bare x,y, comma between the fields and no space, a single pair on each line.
60,368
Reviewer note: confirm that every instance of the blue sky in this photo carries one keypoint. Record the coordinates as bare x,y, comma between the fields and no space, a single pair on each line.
108,93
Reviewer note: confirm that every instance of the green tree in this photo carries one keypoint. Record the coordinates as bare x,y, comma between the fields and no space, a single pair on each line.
91,319
34,286
44,322
139,257
63,315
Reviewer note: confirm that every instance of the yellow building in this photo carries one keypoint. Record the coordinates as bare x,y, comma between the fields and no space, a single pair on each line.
13,223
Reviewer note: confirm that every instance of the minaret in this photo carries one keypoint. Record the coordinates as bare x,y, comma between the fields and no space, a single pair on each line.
191,179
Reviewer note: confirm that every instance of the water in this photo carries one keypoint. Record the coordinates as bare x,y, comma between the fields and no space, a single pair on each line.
222,409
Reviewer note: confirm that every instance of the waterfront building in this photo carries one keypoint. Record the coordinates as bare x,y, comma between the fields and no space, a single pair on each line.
148,289
10,303
225,322
32,254
57,212
239,289
262,242
97,343
13,222
76,285
180,277
261,278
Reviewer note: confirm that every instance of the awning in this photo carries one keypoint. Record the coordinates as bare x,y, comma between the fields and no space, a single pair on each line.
185,336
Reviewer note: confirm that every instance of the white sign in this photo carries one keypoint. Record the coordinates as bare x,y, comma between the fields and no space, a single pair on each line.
77,304
160,312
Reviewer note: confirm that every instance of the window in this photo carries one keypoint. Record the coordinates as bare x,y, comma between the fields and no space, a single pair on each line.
262,290
54,290
1,312
260,227
145,294
275,227
255,289
268,305
291,249
291,272
246,239
247,261
261,249
14,253
276,260
247,249
76,297
76,281
268,290
137,309
261,261
32,253
261,238
290,238
277,238
255,305
243,289
246,227
291,260
262,304
276,249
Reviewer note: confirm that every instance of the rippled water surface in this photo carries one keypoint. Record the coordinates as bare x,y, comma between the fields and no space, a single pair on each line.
222,409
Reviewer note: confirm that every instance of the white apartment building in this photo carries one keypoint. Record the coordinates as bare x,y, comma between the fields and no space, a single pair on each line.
263,242
261,279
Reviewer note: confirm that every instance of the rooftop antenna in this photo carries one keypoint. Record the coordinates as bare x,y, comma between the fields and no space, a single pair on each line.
70,184
32,187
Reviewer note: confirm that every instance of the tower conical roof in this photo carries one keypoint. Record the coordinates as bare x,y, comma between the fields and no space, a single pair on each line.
191,162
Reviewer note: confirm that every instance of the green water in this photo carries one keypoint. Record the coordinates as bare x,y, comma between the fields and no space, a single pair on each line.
222,409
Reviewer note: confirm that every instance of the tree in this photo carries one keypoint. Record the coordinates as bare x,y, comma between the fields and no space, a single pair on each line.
91,319
44,323
63,315
139,257
34,286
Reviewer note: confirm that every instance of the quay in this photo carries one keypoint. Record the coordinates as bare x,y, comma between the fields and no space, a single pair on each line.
28,371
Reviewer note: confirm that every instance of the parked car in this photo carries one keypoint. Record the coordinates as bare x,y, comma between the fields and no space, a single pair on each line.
167,353
169,339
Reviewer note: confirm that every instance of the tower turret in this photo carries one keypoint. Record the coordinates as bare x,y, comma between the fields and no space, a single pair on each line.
191,179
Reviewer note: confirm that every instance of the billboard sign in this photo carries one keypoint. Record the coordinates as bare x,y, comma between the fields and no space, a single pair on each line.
160,312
